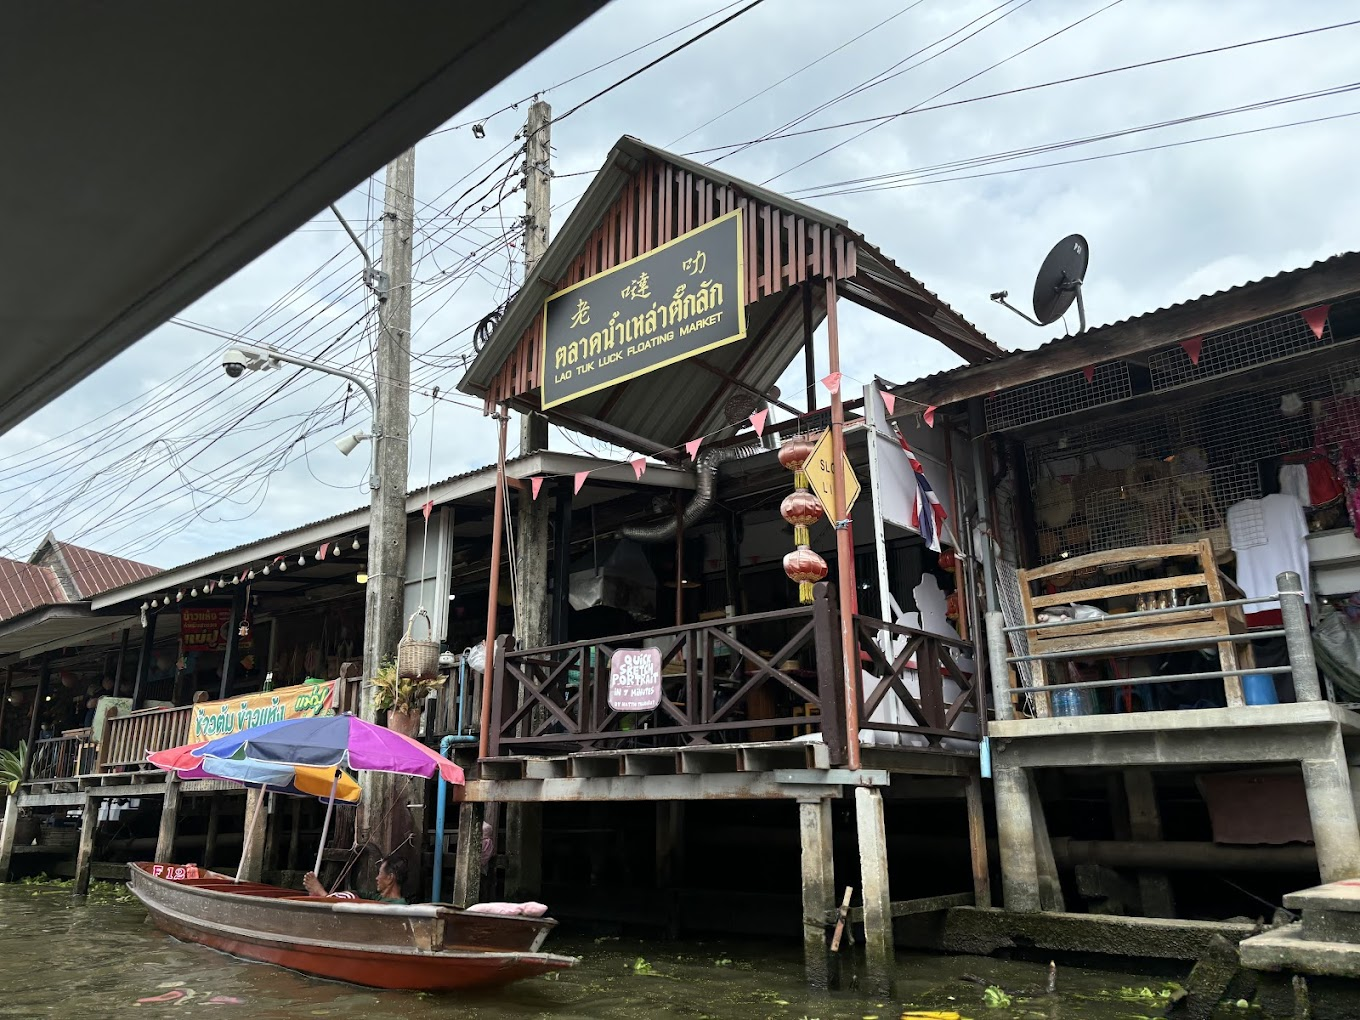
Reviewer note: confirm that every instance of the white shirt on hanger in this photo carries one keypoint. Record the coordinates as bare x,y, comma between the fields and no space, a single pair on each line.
1269,536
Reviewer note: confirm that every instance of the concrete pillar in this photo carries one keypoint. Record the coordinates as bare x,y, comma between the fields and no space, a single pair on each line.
997,650
819,890
8,829
873,871
89,824
467,865
252,845
977,842
1145,823
165,838
1015,833
523,851
1331,809
1298,637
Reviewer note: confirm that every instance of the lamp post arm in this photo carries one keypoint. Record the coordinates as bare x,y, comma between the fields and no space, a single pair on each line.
269,354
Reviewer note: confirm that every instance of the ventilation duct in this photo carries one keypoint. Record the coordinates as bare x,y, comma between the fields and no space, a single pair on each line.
621,579
705,488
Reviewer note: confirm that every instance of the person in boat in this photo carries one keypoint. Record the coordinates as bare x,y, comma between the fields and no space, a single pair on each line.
391,878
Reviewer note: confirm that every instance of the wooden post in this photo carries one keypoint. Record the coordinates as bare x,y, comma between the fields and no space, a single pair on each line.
873,870
39,693
809,352
1145,823
679,561
977,842
493,589
830,676
210,840
467,865
1050,889
561,560
89,824
819,890
523,851
165,838
8,831
238,612
4,701
252,839
118,667
144,660
670,857
294,835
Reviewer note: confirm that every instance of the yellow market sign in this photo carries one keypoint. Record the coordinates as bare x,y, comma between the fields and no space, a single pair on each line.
677,301
818,471
213,719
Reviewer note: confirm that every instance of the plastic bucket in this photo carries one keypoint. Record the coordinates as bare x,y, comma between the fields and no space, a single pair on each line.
1259,689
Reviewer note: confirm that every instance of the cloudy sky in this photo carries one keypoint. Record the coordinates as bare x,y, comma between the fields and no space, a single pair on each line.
159,457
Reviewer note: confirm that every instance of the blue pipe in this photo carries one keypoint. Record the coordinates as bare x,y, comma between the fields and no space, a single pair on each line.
446,744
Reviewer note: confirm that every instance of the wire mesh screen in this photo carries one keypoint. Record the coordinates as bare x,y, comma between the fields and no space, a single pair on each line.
1052,398
1170,473
1261,343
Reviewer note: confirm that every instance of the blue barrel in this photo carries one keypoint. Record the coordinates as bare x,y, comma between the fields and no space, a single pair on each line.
1259,689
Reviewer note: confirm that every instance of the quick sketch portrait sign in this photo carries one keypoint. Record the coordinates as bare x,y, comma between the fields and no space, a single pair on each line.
681,299
635,680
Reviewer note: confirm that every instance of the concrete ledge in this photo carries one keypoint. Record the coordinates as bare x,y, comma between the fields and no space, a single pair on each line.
982,931
1285,949
1304,713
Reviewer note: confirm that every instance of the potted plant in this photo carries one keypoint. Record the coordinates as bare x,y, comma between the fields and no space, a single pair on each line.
401,697
11,775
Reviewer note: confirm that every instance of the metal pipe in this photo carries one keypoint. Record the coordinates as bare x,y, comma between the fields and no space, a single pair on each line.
1219,675
705,491
1298,638
493,591
325,824
977,425
445,745
1142,614
997,660
373,280
845,546
1105,651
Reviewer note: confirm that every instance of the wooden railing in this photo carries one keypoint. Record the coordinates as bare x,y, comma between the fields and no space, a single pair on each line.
921,661
128,738
58,758
717,688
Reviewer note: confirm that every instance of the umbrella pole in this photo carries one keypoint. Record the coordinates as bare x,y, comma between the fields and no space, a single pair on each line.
250,828
325,826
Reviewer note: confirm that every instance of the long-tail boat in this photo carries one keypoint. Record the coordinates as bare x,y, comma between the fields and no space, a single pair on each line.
427,947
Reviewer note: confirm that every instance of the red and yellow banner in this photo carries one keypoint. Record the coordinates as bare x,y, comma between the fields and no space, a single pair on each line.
213,719
204,630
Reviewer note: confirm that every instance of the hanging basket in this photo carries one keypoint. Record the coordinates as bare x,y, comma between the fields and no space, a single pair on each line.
418,660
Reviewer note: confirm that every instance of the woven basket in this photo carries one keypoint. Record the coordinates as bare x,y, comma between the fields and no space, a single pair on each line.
418,660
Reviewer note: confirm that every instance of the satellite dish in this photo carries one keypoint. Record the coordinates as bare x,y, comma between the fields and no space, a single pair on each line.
1058,282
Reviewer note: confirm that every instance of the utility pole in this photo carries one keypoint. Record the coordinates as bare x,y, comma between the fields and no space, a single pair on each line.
385,596
523,822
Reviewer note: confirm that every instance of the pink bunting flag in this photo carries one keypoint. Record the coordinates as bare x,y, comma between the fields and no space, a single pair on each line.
889,401
1316,318
321,553
929,415
832,382
758,420
427,508
1090,372
580,480
536,483
692,447
1193,347
639,466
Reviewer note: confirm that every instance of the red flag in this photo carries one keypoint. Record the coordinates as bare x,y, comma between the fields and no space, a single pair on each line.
929,415
1316,318
888,400
1192,347
536,483
639,466
1090,372
758,420
692,447
321,553
832,382
580,480
427,508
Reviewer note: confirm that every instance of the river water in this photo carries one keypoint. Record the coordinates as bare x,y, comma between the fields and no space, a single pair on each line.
64,957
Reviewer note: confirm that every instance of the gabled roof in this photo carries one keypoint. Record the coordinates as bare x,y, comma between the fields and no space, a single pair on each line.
27,586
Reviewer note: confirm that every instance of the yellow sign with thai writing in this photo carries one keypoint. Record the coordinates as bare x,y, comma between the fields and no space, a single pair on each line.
818,471
213,719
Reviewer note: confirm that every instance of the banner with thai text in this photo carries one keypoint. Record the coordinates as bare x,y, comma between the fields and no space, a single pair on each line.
204,630
213,719
679,300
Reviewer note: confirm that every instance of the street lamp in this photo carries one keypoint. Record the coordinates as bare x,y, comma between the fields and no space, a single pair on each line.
236,361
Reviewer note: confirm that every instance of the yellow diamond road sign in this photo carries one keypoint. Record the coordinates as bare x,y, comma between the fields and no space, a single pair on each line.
818,470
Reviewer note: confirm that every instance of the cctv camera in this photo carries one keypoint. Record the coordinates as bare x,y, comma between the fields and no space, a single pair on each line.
235,362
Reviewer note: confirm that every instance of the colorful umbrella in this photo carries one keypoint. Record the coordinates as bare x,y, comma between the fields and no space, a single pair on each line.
292,780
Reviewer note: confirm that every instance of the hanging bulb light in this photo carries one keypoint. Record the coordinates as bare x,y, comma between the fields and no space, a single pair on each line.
146,606
193,593
251,575
154,603
283,565
265,571
354,545
302,561
361,578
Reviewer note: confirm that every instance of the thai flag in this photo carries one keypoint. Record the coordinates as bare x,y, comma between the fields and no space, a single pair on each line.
930,525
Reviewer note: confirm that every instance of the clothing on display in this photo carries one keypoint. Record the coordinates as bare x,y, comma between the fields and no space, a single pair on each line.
1269,537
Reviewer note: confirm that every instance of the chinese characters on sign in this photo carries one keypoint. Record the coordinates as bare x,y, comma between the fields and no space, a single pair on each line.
679,300
635,680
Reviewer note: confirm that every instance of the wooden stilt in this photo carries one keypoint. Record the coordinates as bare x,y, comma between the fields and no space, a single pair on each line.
873,869
523,851
294,836
977,842
1145,823
89,824
252,846
165,839
467,865
210,840
7,833
819,891
1050,889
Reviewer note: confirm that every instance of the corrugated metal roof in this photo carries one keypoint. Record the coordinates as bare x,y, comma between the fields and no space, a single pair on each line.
94,572
660,425
26,586
1331,278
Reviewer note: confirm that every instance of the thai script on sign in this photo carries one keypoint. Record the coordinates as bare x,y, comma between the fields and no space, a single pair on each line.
213,719
635,680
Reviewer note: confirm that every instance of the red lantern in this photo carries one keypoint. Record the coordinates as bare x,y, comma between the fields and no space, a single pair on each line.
793,454
807,568
951,606
801,509
948,560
